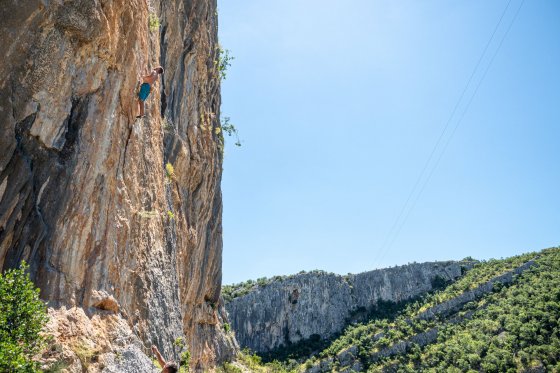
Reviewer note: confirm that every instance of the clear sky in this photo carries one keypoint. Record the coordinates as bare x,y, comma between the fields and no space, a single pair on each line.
339,104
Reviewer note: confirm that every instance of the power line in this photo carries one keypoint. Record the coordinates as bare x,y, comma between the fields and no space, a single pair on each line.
388,240
388,243
456,126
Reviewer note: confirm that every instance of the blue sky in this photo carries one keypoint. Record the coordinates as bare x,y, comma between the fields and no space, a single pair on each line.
339,105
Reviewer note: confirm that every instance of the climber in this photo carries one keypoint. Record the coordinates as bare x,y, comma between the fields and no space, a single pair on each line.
168,367
145,88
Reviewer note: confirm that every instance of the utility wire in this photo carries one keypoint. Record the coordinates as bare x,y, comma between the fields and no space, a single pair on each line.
461,117
395,225
455,128
389,242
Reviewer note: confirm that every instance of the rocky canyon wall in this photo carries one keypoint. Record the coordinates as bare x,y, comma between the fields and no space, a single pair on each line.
114,238
303,305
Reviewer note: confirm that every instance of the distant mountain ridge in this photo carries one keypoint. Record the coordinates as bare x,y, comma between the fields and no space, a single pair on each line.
502,316
273,313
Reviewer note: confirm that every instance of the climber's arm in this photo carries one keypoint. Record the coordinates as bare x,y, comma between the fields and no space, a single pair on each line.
145,74
158,356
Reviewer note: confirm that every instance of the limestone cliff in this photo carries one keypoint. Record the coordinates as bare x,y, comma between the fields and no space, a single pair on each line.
318,303
425,323
111,236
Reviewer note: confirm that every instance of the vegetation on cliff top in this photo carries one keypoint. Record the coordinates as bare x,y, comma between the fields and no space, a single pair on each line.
230,292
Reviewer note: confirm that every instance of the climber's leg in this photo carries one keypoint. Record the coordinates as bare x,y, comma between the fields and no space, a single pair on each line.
142,96
140,109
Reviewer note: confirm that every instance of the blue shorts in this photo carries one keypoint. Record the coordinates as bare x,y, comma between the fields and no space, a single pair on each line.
144,91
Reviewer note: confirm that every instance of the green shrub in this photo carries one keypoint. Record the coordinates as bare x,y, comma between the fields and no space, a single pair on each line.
439,283
169,172
185,361
230,129
22,317
297,350
223,62
230,368
155,362
179,342
153,22
513,328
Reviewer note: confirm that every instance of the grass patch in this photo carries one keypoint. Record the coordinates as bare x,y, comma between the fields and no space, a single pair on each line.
85,353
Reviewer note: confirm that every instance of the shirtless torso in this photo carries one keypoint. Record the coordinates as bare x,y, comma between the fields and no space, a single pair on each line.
147,82
150,79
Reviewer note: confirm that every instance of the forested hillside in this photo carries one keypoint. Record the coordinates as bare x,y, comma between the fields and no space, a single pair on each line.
501,316
482,322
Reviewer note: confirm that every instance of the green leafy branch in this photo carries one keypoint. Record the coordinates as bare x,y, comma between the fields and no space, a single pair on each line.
223,62
230,129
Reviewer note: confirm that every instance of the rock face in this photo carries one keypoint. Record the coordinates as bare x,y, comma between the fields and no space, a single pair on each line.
304,305
85,196
447,312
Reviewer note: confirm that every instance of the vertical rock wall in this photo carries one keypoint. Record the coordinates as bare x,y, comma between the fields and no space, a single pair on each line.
304,305
85,197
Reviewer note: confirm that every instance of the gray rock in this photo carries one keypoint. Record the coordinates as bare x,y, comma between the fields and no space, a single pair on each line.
357,367
319,303
347,356
129,360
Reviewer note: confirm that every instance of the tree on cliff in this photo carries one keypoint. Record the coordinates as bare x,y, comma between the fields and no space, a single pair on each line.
22,316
